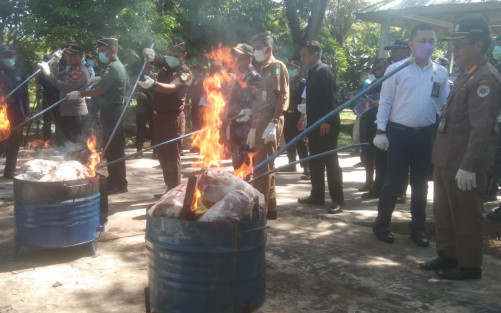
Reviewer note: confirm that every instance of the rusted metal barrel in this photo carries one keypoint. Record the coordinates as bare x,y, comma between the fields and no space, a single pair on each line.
205,266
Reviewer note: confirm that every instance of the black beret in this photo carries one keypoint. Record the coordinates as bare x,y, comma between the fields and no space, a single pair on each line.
73,48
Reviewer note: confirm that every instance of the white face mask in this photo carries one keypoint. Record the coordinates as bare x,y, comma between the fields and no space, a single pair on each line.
260,55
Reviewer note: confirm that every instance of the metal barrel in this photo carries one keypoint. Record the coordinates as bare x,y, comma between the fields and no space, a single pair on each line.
56,223
205,266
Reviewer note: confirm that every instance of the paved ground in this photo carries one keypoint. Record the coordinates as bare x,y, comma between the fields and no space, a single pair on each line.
315,262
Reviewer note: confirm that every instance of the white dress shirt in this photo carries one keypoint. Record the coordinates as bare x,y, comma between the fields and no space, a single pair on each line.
406,97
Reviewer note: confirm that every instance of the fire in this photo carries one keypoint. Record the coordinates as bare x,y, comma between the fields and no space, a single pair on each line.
94,158
4,121
245,169
196,196
39,143
213,86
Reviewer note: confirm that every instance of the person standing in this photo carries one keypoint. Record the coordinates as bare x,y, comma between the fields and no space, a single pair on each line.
320,100
399,50
48,94
17,107
408,105
463,153
267,116
168,102
109,90
144,113
72,113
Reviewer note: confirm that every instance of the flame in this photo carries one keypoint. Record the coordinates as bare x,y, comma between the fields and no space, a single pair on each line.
196,196
94,158
39,143
208,141
4,120
245,169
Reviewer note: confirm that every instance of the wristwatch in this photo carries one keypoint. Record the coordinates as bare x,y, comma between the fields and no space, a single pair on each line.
274,121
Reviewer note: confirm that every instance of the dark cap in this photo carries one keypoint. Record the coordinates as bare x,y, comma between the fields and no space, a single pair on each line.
91,55
324,58
294,64
107,41
177,45
242,49
7,51
73,48
476,27
397,44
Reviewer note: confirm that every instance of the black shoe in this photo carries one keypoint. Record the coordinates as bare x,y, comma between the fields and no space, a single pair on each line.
494,215
384,235
439,263
116,190
401,199
419,237
335,208
370,195
359,164
365,187
461,273
310,200
271,215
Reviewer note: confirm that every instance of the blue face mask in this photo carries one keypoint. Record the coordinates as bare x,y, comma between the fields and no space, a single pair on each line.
103,58
292,73
496,53
9,62
173,62
90,62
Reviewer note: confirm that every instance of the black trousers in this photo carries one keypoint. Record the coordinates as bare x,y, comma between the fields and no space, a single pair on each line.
318,167
116,149
290,131
73,128
144,115
10,145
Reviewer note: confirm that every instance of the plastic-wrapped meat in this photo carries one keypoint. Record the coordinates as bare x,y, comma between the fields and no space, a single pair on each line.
214,183
170,204
69,170
35,169
235,206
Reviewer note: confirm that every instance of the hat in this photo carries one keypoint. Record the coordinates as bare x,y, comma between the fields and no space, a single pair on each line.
7,51
91,55
324,58
243,49
469,27
397,44
107,41
73,49
177,45
295,64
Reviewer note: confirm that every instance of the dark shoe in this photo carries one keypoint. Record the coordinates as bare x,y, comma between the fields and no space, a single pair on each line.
461,273
359,164
384,235
439,263
116,190
494,215
271,215
370,195
335,208
310,200
420,239
306,176
401,199
365,187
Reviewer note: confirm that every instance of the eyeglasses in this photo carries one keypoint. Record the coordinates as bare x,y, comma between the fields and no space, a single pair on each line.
459,46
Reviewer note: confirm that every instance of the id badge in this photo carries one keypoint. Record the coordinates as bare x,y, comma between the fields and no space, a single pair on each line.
442,124
435,90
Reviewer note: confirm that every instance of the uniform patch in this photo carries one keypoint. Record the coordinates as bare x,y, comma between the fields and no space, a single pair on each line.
184,76
76,75
18,78
483,91
277,70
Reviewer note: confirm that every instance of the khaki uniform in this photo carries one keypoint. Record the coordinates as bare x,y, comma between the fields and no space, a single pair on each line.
466,139
274,95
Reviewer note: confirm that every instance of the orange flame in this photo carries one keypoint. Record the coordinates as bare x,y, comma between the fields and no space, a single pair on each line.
94,158
39,143
213,86
245,169
4,120
196,196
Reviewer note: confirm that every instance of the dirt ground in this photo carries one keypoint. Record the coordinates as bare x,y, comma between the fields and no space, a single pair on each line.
314,262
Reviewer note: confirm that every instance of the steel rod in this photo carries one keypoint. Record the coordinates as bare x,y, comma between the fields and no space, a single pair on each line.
27,79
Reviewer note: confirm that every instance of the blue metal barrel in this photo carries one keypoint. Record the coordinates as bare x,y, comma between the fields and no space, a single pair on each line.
56,214
205,267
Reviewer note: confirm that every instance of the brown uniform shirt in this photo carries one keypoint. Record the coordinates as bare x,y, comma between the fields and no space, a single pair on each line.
470,135
274,84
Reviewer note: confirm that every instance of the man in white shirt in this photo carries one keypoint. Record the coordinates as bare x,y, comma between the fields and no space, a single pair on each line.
409,103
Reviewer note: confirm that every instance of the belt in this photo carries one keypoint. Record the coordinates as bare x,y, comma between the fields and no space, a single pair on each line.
415,130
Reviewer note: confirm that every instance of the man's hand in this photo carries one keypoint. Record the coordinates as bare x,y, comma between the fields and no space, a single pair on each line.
149,53
251,138
466,180
301,107
94,81
148,82
244,115
270,133
325,129
45,68
57,55
381,142
74,95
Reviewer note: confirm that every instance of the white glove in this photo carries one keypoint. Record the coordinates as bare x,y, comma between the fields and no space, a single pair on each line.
44,66
149,53
251,138
94,81
244,115
148,82
74,95
301,107
228,132
466,180
57,55
270,133
381,141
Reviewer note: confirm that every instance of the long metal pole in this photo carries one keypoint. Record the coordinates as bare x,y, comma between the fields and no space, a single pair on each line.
311,157
27,79
127,103
40,113
329,115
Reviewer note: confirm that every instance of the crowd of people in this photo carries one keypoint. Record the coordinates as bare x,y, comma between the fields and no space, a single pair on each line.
416,118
